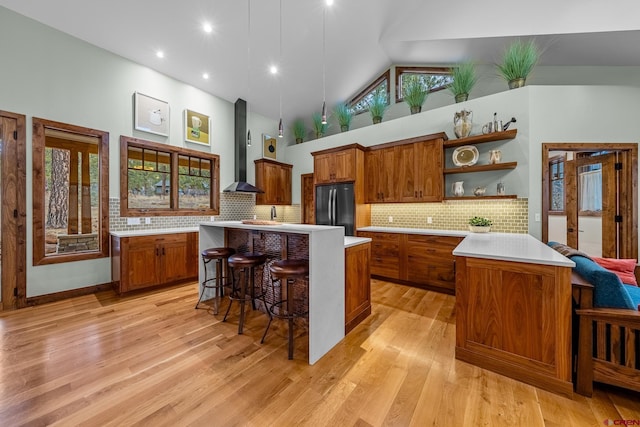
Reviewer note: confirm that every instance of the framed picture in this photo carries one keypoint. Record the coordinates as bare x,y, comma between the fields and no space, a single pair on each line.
269,146
151,114
197,127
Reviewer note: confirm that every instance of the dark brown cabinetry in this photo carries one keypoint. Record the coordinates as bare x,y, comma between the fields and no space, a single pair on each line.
344,164
274,178
307,197
336,165
420,260
357,289
406,171
139,262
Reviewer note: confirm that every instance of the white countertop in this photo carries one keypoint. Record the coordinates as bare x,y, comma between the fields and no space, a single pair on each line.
510,247
280,227
355,241
426,231
151,231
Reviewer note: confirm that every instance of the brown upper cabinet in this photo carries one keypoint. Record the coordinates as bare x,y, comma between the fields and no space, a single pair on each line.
274,178
335,165
409,170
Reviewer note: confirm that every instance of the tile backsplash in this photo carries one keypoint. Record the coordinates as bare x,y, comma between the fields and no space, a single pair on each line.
508,216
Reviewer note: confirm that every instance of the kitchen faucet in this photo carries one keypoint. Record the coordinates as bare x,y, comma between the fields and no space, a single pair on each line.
273,213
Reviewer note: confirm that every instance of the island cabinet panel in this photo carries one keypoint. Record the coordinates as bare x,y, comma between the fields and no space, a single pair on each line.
424,261
515,318
146,261
385,254
274,178
357,291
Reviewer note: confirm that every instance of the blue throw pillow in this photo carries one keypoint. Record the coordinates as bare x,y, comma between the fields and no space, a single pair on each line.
608,290
634,293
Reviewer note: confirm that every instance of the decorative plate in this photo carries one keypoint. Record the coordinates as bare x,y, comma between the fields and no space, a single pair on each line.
467,155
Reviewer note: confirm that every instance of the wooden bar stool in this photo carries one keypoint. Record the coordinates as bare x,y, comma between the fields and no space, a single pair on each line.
245,263
219,257
287,270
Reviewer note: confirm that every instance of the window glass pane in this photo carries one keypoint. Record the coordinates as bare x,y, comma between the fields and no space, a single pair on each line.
557,195
363,105
205,168
183,165
135,158
71,202
194,192
149,188
195,166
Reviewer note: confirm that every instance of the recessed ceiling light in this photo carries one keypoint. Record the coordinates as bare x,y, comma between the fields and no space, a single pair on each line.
160,54
273,69
205,76
329,2
207,27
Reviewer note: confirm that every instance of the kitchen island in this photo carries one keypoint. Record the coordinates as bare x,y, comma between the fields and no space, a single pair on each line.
323,246
513,308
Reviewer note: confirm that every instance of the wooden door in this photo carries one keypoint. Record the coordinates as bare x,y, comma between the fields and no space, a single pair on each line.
345,165
173,254
12,215
571,200
428,168
307,198
322,168
140,262
405,174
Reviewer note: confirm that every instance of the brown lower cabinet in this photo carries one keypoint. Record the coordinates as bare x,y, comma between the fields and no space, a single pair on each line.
357,289
139,262
424,261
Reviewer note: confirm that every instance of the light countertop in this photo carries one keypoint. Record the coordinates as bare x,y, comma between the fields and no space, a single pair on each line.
510,247
152,231
355,241
426,231
280,227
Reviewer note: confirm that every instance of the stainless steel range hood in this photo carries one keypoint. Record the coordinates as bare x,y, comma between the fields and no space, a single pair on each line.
240,158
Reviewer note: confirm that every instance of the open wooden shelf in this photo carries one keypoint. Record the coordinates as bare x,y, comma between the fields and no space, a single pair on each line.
481,168
506,196
478,139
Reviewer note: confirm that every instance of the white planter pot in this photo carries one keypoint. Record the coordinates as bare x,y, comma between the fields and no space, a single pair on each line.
479,229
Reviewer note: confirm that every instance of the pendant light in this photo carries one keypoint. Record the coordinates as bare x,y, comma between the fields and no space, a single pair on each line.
280,126
324,88
248,68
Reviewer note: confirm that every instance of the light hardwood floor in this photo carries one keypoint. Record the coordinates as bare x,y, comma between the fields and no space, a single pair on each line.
151,359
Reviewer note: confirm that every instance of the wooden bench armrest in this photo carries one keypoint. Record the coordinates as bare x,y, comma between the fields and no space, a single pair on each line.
612,315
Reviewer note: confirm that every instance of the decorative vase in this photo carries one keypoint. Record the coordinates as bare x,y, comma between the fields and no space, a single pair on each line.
462,123
457,188
344,128
516,83
376,120
495,156
416,109
299,140
461,97
479,228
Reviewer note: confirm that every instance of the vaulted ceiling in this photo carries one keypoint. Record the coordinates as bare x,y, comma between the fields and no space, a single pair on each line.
362,39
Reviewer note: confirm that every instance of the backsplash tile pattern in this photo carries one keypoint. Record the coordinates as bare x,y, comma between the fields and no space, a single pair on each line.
233,206
508,216
289,214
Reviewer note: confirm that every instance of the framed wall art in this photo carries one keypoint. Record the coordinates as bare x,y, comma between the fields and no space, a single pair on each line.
197,127
150,114
269,146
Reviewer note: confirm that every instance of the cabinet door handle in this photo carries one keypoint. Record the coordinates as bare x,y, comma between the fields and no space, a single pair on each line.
420,193
157,252
162,251
416,194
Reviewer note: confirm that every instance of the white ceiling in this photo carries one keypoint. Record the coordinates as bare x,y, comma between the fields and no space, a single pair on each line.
363,38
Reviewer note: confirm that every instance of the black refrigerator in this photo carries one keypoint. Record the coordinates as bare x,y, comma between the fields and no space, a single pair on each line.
335,205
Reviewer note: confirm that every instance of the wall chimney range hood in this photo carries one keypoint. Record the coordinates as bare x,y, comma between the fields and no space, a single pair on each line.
240,158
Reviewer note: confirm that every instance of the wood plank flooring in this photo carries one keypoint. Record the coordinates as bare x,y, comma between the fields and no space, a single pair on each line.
150,359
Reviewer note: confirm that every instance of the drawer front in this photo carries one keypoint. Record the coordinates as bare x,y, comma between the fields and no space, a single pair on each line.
442,243
385,267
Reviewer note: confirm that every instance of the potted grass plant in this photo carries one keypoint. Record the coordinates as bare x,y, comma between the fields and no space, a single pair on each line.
518,61
378,106
478,224
319,128
344,114
299,130
414,92
464,79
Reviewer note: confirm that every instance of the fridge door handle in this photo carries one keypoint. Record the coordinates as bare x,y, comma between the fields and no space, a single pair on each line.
329,207
335,207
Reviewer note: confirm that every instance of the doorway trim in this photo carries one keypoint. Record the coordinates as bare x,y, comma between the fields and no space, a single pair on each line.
629,186
14,216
